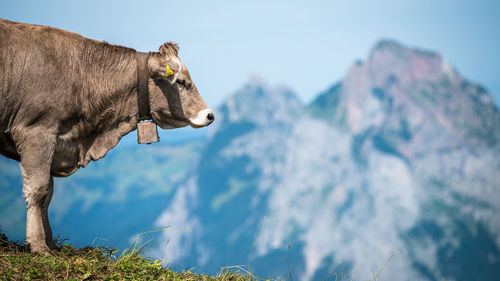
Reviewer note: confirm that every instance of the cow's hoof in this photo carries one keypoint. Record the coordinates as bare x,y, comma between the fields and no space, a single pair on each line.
40,249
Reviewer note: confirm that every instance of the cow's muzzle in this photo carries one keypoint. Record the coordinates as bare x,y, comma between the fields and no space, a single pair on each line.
204,118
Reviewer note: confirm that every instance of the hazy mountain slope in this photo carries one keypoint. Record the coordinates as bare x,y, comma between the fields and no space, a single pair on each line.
398,159
113,199
412,104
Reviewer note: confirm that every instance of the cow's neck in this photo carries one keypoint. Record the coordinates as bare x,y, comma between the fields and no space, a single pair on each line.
116,111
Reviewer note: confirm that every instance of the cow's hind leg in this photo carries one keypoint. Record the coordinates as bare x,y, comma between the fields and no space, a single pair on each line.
45,216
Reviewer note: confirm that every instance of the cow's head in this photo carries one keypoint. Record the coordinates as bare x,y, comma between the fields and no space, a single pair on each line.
174,99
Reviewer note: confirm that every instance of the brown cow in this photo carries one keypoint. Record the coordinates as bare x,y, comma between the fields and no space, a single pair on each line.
66,99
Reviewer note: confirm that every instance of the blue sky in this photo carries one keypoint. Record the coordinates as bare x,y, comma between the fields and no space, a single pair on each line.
306,46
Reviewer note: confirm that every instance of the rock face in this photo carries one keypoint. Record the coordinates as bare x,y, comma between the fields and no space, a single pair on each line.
397,160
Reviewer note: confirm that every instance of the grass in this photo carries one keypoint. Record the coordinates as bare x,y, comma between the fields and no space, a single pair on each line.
96,263
105,263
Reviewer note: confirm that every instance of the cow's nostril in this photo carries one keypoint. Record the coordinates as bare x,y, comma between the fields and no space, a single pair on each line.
210,116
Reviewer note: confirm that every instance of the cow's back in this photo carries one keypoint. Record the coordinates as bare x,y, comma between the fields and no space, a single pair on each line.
38,64
35,78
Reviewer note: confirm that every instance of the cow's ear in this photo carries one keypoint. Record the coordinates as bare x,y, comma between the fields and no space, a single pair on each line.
163,67
162,50
169,49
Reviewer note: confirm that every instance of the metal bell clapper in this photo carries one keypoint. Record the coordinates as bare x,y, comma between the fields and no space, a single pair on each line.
147,132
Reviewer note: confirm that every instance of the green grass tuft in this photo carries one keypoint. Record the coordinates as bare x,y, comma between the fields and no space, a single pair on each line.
96,263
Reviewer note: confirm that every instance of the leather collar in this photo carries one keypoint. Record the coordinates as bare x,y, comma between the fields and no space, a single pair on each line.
142,86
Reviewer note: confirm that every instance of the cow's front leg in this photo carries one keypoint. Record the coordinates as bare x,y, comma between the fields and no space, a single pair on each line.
36,159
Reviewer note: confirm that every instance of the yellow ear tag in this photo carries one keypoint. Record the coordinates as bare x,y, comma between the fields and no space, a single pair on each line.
169,71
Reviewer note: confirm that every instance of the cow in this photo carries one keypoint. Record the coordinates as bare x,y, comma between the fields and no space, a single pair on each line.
66,100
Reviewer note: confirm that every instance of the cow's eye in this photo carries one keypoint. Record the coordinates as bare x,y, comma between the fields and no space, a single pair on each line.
182,82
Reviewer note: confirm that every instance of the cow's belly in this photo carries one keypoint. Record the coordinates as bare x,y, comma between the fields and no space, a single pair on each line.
66,159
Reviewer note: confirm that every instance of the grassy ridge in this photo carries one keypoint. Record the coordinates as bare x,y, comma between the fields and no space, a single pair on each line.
102,263
92,263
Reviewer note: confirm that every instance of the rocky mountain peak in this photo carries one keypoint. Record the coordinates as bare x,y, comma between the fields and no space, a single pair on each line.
259,103
415,93
389,61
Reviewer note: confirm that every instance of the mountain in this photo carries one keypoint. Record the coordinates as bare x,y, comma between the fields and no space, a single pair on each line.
394,164
396,160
